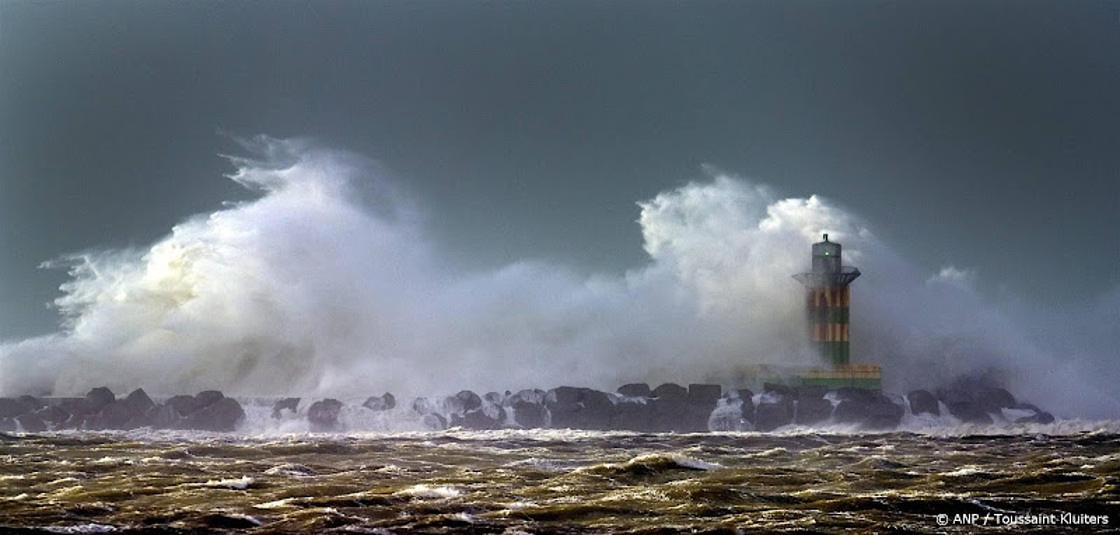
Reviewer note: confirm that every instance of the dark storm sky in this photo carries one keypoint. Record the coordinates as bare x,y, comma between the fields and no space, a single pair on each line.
985,135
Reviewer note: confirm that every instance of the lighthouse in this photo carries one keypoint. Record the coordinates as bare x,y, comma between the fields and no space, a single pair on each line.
828,298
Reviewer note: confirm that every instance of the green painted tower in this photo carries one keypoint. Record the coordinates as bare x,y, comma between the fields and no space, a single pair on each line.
827,301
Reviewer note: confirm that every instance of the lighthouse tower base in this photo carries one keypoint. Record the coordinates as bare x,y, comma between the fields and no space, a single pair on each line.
866,376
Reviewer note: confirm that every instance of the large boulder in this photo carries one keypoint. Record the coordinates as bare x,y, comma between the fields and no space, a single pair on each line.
32,402
635,390
811,410
633,414
74,406
598,409
704,394
464,401
118,414
183,405
870,410
488,416
774,410
434,421
135,410
101,409
670,391
207,397
564,396
669,414
383,402
166,416
530,415
12,407
1039,417
672,411
323,414
961,401
850,411
747,405
77,410
992,399
31,423
975,399
563,407
702,399
528,409
533,395
971,413
423,405
225,414
53,415
579,408
209,410
139,401
285,404
883,414
673,414
98,398
923,402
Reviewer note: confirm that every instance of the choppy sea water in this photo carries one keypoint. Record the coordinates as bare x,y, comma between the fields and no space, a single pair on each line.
561,481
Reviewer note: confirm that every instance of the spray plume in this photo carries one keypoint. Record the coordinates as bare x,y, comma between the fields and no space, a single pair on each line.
327,284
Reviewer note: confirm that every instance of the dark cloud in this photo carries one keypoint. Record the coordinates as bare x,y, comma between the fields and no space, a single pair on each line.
971,134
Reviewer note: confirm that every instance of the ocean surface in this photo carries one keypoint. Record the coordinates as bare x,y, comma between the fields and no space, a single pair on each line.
1040,478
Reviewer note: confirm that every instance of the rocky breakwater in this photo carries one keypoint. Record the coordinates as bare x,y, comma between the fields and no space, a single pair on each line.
977,401
707,407
100,409
633,407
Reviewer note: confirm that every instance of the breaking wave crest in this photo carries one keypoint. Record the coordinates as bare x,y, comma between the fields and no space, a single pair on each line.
328,284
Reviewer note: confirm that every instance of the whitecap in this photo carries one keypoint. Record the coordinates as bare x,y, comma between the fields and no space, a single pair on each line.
82,528
464,517
250,519
240,483
538,463
769,453
695,464
275,504
966,470
514,506
390,469
290,469
429,491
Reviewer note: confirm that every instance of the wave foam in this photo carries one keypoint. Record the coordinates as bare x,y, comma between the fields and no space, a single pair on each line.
329,283
240,483
430,492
